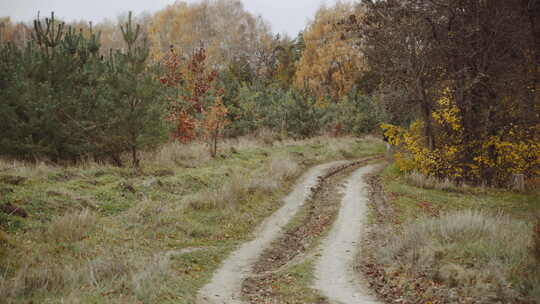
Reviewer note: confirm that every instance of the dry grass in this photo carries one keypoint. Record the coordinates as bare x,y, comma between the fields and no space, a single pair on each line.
238,185
26,169
6,164
227,196
480,256
192,154
267,136
90,238
154,214
282,168
536,240
195,153
241,143
40,166
177,154
333,143
71,227
276,171
141,275
420,180
146,280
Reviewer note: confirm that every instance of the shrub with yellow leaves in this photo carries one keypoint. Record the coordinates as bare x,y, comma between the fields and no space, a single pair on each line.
495,158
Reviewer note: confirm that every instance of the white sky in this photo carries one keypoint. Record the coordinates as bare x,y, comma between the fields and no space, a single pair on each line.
286,16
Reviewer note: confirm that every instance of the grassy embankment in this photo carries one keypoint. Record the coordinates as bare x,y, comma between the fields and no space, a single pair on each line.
441,243
100,234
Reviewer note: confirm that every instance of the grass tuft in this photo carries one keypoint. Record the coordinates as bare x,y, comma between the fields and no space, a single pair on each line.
177,154
227,196
277,170
71,227
420,180
146,281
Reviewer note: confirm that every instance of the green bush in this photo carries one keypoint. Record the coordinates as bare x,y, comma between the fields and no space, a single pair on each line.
288,112
356,114
295,113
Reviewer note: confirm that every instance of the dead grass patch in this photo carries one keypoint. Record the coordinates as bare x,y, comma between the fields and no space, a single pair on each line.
536,240
429,182
267,137
178,154
195,153
226,196
277,170
142,276
479,255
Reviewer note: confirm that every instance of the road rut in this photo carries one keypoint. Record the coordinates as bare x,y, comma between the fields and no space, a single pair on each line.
225,286
335,276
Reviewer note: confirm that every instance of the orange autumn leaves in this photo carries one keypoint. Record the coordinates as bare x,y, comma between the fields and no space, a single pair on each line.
195,106
213,122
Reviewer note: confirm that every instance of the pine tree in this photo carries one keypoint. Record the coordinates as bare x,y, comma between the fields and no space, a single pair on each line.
61,100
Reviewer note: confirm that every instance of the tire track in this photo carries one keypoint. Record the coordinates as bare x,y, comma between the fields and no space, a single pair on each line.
334,271
225,286
294,245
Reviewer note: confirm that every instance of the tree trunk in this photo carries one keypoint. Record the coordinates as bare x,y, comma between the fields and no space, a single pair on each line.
215,143
428,127
426,116
134,157
116,160
518,182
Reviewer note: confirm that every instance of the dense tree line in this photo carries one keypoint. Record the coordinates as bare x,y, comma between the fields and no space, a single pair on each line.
456,81
72,90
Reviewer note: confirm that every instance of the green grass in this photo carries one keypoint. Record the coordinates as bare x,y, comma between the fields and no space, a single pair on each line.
128,219
411,201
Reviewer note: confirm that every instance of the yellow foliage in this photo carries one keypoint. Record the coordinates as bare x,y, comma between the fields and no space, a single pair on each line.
331,61
503,155
516,157
448,112
404,164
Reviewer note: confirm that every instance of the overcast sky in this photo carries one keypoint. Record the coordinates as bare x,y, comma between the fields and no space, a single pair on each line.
289,16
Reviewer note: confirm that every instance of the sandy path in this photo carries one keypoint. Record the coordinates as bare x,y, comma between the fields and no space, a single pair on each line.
335,277
225,287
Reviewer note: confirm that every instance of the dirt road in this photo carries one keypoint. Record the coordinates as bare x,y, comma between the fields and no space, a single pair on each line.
335,277
225,286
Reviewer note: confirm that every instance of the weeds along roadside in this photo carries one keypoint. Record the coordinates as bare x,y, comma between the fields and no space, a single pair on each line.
436,242
114,235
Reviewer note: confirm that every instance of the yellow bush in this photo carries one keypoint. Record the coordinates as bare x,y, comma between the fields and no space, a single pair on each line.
495,158
441,162
514,157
